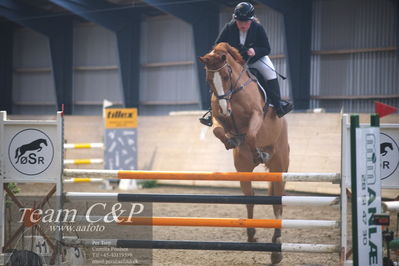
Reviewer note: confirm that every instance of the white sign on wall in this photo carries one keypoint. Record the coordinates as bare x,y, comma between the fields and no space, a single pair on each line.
31,151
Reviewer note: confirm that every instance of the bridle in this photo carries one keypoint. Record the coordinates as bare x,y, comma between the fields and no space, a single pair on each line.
233,89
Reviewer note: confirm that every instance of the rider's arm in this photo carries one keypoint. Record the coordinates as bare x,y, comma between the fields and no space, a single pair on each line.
262,46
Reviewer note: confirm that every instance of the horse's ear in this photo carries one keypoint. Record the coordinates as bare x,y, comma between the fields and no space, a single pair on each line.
203,59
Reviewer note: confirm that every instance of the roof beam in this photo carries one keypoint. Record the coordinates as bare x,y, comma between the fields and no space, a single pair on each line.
110,16
27,16
187,10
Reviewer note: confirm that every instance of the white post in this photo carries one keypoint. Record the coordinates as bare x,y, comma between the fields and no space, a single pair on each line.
3,116
345,176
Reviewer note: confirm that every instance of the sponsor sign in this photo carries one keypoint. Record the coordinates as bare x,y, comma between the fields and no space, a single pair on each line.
121,118
120,138
368,196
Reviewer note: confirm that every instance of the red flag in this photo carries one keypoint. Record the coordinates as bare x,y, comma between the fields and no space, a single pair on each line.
383,109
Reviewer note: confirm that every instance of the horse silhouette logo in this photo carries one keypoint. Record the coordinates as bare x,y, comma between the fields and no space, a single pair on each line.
385,146
35,145
389,151
31,151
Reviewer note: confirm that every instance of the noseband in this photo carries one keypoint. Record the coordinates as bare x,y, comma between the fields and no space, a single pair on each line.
233,89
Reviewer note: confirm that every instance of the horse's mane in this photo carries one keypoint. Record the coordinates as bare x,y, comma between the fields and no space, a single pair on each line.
225,47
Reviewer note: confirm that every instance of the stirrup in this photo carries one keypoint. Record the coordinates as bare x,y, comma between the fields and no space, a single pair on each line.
284,108
207,119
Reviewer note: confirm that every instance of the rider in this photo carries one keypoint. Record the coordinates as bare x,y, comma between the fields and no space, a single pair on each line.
245,33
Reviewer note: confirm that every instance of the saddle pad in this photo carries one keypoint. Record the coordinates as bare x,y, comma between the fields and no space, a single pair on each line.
260,87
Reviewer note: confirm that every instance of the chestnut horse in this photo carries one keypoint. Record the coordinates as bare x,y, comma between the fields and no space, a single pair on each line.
243,123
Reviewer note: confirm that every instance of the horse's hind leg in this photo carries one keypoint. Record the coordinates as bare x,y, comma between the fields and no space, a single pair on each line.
243,163
279,163
246,188
277,189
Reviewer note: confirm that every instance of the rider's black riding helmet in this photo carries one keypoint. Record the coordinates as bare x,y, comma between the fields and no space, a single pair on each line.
244,11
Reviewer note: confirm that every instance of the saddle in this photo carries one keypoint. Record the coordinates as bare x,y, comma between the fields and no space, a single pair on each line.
255,75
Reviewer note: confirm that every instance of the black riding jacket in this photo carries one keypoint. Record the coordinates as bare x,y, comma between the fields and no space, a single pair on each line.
256,39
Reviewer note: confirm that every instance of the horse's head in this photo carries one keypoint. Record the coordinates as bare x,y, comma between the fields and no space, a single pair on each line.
220,65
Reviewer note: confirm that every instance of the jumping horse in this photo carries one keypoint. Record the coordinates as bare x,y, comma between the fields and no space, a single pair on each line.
246,124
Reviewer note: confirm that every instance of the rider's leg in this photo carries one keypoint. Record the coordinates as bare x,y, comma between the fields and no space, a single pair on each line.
265,66
273,91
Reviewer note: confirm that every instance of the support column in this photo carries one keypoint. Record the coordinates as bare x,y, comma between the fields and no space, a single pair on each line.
298,32
129,60
204,17
61,43
6,70
205,33
125,23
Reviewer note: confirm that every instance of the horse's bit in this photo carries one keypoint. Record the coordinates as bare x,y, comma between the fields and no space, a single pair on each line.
233,89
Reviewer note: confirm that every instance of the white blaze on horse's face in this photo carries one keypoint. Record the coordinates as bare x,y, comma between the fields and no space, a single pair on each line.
217,82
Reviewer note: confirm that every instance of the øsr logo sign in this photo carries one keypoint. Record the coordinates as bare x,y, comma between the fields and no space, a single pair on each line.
389,155
31,151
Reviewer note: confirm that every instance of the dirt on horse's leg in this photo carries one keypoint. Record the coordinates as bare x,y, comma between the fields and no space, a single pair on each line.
244,163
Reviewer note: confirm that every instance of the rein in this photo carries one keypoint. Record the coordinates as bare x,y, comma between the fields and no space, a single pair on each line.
233,89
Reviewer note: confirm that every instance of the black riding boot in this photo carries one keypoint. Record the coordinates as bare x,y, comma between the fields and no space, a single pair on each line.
273,91
206,119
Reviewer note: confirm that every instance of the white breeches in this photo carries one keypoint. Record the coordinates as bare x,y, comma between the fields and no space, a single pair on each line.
265,66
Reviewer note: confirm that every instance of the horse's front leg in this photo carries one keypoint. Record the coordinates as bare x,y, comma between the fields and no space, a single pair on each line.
229,143
255,124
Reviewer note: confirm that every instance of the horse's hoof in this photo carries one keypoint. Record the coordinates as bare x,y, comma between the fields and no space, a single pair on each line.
252,240
276,257
251,235
232,143
261,157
